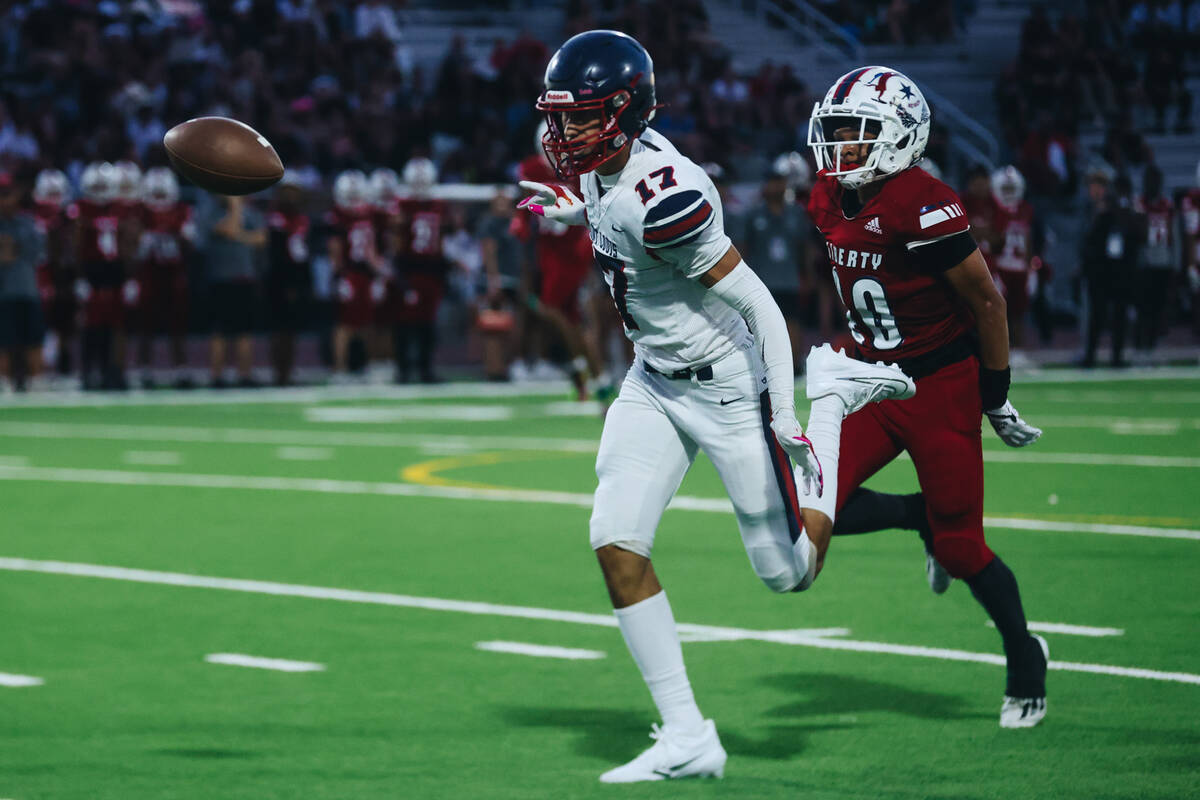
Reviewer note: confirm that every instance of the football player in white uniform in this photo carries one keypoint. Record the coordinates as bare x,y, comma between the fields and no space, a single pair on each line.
713,372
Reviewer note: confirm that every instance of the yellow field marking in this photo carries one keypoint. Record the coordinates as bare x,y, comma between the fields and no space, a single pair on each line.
428,473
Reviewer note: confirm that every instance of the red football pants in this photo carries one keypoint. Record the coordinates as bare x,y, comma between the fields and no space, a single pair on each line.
940,429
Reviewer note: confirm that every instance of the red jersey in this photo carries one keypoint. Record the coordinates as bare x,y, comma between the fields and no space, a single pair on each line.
981,213
165,236
1014,234
422,222
360,242
897,306
1189,213
99,226
289,239
560,248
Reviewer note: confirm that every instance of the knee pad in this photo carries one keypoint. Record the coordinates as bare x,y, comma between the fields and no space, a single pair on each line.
962,554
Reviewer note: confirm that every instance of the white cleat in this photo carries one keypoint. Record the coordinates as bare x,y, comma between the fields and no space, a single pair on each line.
672,756
1025,712
935,573
829,371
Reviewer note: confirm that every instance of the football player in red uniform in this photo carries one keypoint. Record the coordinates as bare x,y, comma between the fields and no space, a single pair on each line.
415,292
354,252
56,280
918,293
1189,222
564,261
97,237
1015,248
1159,259
166,237
289,273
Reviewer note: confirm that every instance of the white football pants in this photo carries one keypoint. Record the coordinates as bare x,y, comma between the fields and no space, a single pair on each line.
651,436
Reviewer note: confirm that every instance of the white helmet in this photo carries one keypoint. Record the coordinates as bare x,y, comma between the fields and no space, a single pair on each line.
351,190
160,188
420,174
129,180
1008,185
385,186
876,101
794,169
51,188
99,181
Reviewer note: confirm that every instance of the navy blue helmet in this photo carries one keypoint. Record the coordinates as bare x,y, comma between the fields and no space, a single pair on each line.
599,97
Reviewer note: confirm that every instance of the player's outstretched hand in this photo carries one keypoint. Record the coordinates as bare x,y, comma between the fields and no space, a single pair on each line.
553,202
790,435
1012,430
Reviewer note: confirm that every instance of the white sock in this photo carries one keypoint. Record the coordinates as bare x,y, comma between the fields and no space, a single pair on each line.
825,432
649,631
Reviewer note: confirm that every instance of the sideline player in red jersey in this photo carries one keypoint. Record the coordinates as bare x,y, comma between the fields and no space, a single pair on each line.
415,294
1014,250
564,262
165,241
919,293
56,280
1189,221
96,234
354,252
289,273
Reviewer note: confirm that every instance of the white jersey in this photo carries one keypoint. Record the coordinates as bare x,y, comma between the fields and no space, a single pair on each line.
654,232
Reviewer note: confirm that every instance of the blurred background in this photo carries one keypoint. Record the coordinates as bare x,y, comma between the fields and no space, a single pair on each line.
391,251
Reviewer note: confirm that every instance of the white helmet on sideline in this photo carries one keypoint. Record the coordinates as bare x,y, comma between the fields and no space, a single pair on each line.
385,186
99,182
1008,186
129,180
160,188
420,175
52,188
351,190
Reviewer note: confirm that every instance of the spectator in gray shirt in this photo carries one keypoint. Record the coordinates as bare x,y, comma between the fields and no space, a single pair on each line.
775,240
22,248
231,237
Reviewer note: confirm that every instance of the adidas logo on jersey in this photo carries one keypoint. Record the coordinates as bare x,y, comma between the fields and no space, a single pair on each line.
873,226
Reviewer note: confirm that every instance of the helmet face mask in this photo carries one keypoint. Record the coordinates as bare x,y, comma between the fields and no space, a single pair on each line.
599,97
875,115
581,136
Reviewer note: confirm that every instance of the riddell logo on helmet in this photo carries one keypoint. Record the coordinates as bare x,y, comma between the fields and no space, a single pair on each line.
559,96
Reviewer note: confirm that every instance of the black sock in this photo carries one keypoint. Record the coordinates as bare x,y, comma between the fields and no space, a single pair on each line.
867,511
995,587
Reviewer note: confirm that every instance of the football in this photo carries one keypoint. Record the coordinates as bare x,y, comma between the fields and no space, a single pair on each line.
223,156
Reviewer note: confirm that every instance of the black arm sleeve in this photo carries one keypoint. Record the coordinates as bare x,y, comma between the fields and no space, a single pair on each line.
941,255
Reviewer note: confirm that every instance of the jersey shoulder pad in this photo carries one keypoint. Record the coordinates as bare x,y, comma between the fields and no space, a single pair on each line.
926,208
681,205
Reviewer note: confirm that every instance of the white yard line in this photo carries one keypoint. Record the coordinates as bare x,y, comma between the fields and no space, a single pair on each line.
1100,396
258,662
12,681
476,389
458,412
294,453
548,614
14,461
579,499
540,650
152,458
184,433
1070,630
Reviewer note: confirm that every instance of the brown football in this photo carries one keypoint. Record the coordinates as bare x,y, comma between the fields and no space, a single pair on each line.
223,156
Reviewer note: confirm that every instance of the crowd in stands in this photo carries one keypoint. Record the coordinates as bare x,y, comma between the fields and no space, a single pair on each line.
1120,66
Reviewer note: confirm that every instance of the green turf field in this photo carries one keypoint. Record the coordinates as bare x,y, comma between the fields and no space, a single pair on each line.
450,532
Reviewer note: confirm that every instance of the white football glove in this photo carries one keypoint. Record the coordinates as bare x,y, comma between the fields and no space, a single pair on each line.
1012,430
790,435
553,202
